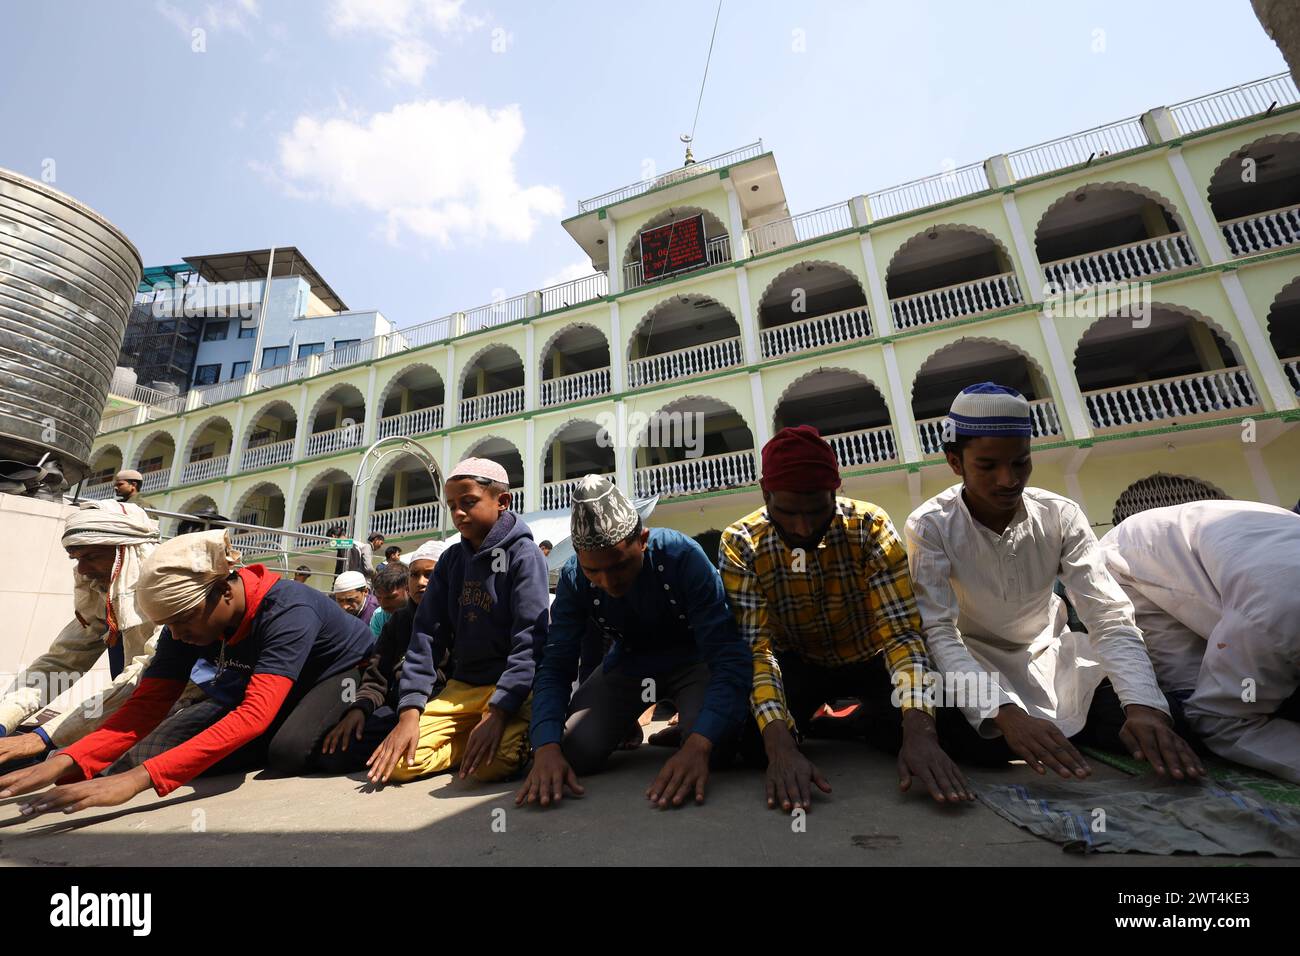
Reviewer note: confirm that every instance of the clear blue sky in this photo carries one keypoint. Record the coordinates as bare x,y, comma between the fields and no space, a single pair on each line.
422,152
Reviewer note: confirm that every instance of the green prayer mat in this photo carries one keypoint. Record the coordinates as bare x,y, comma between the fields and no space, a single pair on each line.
1220,770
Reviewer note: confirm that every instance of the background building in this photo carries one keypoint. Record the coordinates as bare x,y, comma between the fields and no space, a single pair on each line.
863,318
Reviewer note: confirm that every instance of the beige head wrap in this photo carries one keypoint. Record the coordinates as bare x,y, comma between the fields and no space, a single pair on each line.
133,533
179,573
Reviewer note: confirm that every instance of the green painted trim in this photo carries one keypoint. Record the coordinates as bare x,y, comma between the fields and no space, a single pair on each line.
829,237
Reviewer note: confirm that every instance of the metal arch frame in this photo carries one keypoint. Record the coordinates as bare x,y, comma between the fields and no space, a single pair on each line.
369,466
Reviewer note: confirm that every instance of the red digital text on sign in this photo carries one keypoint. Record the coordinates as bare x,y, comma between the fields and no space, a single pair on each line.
673,248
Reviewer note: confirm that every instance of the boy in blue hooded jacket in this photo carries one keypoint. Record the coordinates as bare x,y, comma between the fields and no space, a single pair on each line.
485,610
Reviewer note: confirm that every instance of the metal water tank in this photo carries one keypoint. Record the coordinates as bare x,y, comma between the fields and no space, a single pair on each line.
68,277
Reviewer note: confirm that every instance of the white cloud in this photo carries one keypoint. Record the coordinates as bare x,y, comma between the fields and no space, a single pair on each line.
436,169
216,17
402,23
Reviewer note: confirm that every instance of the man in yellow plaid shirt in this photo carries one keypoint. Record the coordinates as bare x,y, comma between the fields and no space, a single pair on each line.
820,588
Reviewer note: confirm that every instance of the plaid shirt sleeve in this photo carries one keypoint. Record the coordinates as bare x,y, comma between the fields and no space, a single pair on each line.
896,626
767,698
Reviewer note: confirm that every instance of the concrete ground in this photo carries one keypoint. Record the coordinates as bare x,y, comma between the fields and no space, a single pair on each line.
339,821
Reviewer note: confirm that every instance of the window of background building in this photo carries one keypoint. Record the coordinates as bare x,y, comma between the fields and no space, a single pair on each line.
202,452
248,333
216,331
207,374
150,464
275,356
239,369
344,343
310,348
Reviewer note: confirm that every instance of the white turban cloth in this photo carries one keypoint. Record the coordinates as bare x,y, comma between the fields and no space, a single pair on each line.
134,534
180,572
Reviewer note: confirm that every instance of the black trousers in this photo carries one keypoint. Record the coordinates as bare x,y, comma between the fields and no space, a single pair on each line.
377,726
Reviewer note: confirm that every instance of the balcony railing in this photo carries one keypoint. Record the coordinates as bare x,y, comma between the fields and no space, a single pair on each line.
928,191
801,228
1235,103
155,480
850,325
407,520
420,335
559,494
336,439
1292,367
1043,421
362,351
122,419
221,392
676,175
321,527
956,301
694,476
685,363
517,500
865,447
497,313
1076,148
1202,393
271,377
575,292
205,470
255,541
99,491
575,387
1132,261
420,421
718,249
266,456
481,408
1262,231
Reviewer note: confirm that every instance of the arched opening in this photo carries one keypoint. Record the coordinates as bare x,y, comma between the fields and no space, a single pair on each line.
154,461
579,448
575,365
811,305
191,507
967,362
105,463
1284,331
262,505
1176,366
1110,232
848,411
412,403
948,272
338,421
681,337
1160,491
406,498
269,438
209,451
505,454
717,243
326,503
694,445
1255,195
492,385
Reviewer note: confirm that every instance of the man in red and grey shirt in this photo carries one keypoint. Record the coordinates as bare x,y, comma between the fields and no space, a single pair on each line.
272,658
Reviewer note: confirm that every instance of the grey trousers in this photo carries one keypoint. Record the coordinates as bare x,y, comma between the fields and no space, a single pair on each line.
608,703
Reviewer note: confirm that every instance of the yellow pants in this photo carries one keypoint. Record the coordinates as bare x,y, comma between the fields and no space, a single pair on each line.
445,727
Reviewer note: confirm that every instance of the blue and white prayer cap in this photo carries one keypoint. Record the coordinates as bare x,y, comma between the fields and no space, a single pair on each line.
988,410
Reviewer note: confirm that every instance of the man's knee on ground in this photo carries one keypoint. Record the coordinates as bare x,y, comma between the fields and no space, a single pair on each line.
585,754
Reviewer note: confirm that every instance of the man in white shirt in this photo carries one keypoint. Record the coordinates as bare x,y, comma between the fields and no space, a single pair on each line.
984,556
1216,587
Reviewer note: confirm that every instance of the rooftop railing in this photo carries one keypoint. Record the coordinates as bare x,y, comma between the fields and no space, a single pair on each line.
680,174
1235,103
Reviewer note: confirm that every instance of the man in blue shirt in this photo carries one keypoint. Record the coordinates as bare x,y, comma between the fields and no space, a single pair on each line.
660,600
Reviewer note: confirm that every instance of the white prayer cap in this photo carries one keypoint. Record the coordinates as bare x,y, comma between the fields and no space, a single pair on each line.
349,581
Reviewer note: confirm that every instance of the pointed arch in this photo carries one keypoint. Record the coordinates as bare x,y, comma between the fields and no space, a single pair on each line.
194,433
1160,490
947,228
1169,206
788,391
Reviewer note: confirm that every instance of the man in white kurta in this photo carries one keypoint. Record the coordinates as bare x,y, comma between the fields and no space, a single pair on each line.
1216,587
984,556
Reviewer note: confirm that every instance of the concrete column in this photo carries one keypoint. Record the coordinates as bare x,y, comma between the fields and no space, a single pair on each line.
882,323
371,425
762,415
1198,207
747,320
531,363
615,268
617,353
998,171
178,453
1206,349
1274,390
900,408
1068,397
303,430
623,451
1073,465
736,224
1031,270
450,392
1259,474
1159,125
236,443
860,211
532,467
